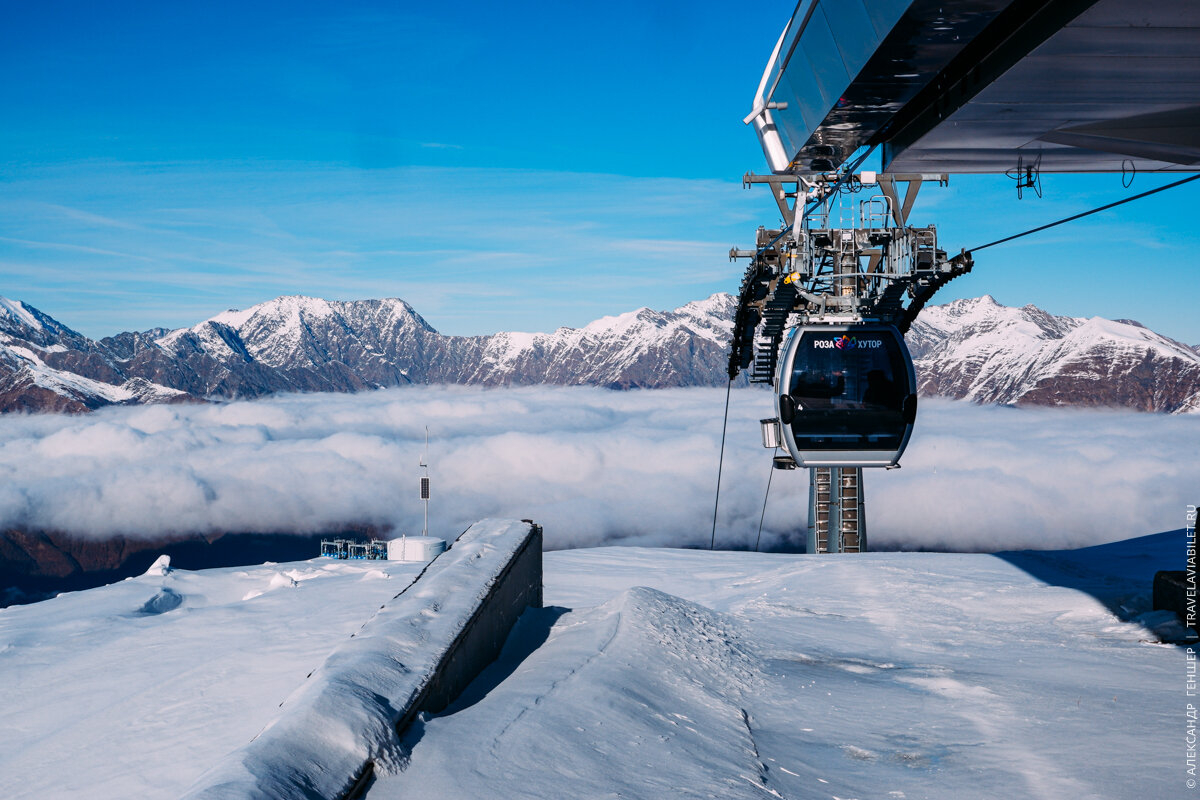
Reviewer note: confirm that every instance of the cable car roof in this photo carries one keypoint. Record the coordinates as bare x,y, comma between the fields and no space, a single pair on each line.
974,85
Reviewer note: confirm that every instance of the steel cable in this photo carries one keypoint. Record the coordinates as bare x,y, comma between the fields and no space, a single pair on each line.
1085,214
763,516
720,465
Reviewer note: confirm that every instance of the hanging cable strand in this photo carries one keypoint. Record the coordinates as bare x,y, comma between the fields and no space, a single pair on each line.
720,464
763,515
1084,214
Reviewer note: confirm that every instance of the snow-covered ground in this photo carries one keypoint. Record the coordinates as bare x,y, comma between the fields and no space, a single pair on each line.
683,674
651,673
134,689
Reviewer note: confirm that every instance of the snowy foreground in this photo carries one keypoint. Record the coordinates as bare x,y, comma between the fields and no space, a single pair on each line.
651,673
134,689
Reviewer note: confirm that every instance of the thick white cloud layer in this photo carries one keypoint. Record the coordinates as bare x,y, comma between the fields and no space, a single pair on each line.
593,466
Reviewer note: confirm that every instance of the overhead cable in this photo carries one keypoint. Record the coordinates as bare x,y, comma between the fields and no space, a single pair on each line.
1085,213
763,516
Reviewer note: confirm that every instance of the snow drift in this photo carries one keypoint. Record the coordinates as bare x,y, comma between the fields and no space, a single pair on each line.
342,722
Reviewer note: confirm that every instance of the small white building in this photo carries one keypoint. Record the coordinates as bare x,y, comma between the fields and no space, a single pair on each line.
415,548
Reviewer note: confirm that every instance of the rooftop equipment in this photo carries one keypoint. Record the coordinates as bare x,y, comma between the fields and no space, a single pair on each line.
345,549
415,548
406,548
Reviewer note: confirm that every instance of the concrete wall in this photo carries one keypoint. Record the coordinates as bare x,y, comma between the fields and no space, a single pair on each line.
517,588
416,654
1171,593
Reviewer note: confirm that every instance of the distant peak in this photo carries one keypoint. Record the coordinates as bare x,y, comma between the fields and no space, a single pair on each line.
294,306
714,302
298,302
1132,322
986,301
20,312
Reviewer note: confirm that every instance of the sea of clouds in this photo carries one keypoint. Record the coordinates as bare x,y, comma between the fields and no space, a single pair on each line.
593,466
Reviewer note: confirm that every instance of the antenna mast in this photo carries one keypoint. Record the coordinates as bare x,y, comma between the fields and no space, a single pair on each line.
425,482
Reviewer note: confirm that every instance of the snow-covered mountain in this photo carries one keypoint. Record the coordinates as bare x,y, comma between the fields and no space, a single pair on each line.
643,348
46,366
975,349
385,343
982,351
309,344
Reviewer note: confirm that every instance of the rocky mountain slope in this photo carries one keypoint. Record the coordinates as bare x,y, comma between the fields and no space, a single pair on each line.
973,349
982,351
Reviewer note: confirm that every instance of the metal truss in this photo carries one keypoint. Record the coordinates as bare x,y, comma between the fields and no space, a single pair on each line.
856,260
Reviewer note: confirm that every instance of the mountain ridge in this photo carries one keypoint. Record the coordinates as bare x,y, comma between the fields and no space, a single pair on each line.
973,349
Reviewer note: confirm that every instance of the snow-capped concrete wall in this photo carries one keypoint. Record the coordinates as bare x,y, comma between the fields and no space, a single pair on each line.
416,654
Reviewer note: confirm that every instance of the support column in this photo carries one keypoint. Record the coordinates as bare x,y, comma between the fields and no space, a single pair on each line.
837,520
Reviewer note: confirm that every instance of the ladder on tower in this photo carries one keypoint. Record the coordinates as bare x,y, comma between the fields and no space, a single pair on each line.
818,509
836,518
850,481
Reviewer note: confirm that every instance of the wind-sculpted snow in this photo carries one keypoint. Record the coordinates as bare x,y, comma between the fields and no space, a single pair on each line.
674,674
593,466
695,678
346,712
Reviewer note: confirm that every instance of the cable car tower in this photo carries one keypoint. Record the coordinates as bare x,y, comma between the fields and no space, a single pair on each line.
1002,87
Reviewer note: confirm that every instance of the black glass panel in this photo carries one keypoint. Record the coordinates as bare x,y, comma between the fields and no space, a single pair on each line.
849,390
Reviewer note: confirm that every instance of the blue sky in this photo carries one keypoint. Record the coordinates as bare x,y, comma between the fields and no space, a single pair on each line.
501,166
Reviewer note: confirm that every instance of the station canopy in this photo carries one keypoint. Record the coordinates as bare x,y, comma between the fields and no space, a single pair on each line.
981,86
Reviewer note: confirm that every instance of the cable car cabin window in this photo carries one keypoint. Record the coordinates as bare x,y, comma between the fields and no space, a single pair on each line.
849,390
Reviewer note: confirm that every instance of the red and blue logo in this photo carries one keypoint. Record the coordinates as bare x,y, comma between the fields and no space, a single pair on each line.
846,342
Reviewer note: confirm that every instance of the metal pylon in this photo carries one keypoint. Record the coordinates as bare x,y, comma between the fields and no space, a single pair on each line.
837,521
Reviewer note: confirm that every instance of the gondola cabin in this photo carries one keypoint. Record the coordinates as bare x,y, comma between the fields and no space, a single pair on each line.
845,395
